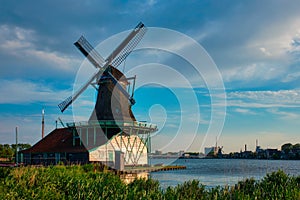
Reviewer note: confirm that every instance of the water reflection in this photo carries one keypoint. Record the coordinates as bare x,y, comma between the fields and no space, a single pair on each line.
130,177
213,172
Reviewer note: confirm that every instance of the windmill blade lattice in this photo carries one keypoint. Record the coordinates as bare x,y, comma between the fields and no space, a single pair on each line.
129,47
88,50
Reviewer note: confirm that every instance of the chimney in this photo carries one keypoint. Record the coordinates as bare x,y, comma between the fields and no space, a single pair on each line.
43,124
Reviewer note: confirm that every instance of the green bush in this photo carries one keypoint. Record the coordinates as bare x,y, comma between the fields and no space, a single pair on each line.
89,182
279,185
188,190
144,189
4,172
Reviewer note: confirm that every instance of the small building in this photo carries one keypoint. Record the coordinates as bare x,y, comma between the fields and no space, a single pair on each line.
208,150
58,146
132,148
157,152
88,142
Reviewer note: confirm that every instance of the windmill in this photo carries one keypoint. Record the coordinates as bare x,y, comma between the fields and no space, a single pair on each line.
112,135
113,99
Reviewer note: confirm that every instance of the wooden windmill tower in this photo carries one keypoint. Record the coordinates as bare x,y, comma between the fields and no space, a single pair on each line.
113,99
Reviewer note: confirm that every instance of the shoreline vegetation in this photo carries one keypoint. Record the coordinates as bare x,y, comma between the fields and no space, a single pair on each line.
288,151
93,181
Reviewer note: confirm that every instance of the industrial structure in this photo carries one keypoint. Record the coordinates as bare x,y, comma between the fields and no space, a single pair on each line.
112,135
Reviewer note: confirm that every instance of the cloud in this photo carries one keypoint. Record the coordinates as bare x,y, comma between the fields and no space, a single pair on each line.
20,44
265,51
252,43
264,99
22,57
276,39
256,73
244,111
282,104
291,77
253,46
285,115
24,91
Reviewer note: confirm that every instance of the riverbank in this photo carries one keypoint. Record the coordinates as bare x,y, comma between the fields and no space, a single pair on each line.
87,182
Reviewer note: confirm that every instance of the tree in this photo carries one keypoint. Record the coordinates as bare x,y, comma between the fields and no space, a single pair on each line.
9,151
296,146
286,147
20,146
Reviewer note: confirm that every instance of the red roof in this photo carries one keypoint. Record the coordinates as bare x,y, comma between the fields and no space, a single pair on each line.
59,140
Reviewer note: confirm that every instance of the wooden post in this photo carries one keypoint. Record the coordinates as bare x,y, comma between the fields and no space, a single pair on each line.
43,124
16,157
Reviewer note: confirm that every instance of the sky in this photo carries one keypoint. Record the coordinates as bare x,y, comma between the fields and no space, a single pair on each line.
253,46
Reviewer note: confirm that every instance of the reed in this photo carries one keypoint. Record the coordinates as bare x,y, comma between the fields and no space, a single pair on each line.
94,182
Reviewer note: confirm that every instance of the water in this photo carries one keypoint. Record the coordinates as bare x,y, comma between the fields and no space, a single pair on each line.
214,172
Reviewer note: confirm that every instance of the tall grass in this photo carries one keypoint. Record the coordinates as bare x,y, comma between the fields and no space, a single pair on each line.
92,182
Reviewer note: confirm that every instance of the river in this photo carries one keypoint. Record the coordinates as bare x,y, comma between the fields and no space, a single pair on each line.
214,172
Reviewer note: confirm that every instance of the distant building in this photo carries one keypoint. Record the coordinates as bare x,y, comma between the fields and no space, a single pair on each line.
190,155
158,152
180,153
258,149
208,150
172,154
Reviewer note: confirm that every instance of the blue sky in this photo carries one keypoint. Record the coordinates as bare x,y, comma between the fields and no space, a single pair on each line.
255,47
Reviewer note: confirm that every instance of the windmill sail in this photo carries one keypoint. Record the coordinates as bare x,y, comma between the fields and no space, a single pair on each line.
114,59
64,105
125,48
87,49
